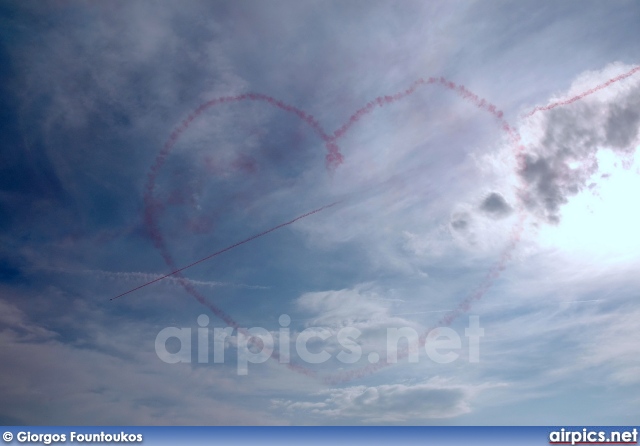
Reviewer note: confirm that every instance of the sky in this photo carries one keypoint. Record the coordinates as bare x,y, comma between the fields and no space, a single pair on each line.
470,164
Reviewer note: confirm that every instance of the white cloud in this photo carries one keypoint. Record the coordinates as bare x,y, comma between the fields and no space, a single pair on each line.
434,399
562,143
110,87
562,320
103,377
141,278
361,306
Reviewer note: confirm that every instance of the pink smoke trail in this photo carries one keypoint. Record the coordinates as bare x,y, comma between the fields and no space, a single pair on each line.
380,101
152,207
447,319
585,93
494,273
228,248
334,158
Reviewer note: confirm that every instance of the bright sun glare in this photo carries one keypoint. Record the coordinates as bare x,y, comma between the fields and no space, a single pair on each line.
602,222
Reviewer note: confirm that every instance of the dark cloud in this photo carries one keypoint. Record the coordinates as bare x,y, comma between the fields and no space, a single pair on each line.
622,125
460,221
551,182
561,164
495,205
89,93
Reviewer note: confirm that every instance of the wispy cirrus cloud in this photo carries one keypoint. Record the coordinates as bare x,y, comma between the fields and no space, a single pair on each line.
420,403
429,191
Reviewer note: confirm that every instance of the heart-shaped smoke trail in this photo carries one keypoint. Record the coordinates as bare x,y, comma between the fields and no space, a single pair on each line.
333,160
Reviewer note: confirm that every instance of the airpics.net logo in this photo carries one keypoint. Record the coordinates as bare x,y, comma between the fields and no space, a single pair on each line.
314,345
591,436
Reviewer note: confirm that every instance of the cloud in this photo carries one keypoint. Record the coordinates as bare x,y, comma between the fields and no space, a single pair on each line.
495,206
578,323
434,399
98,89
362,307
15,321
366,313
95,373
460,221
140,277
562,143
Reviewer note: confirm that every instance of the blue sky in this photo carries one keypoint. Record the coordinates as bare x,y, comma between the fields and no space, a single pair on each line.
431,197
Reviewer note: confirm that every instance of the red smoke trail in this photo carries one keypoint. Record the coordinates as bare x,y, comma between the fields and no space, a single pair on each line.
232,323
190,288
584,94
447,319
334,158
494,273
385,100
228,248
152,207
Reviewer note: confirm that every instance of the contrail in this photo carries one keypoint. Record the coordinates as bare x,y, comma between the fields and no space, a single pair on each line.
138,275
228,248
